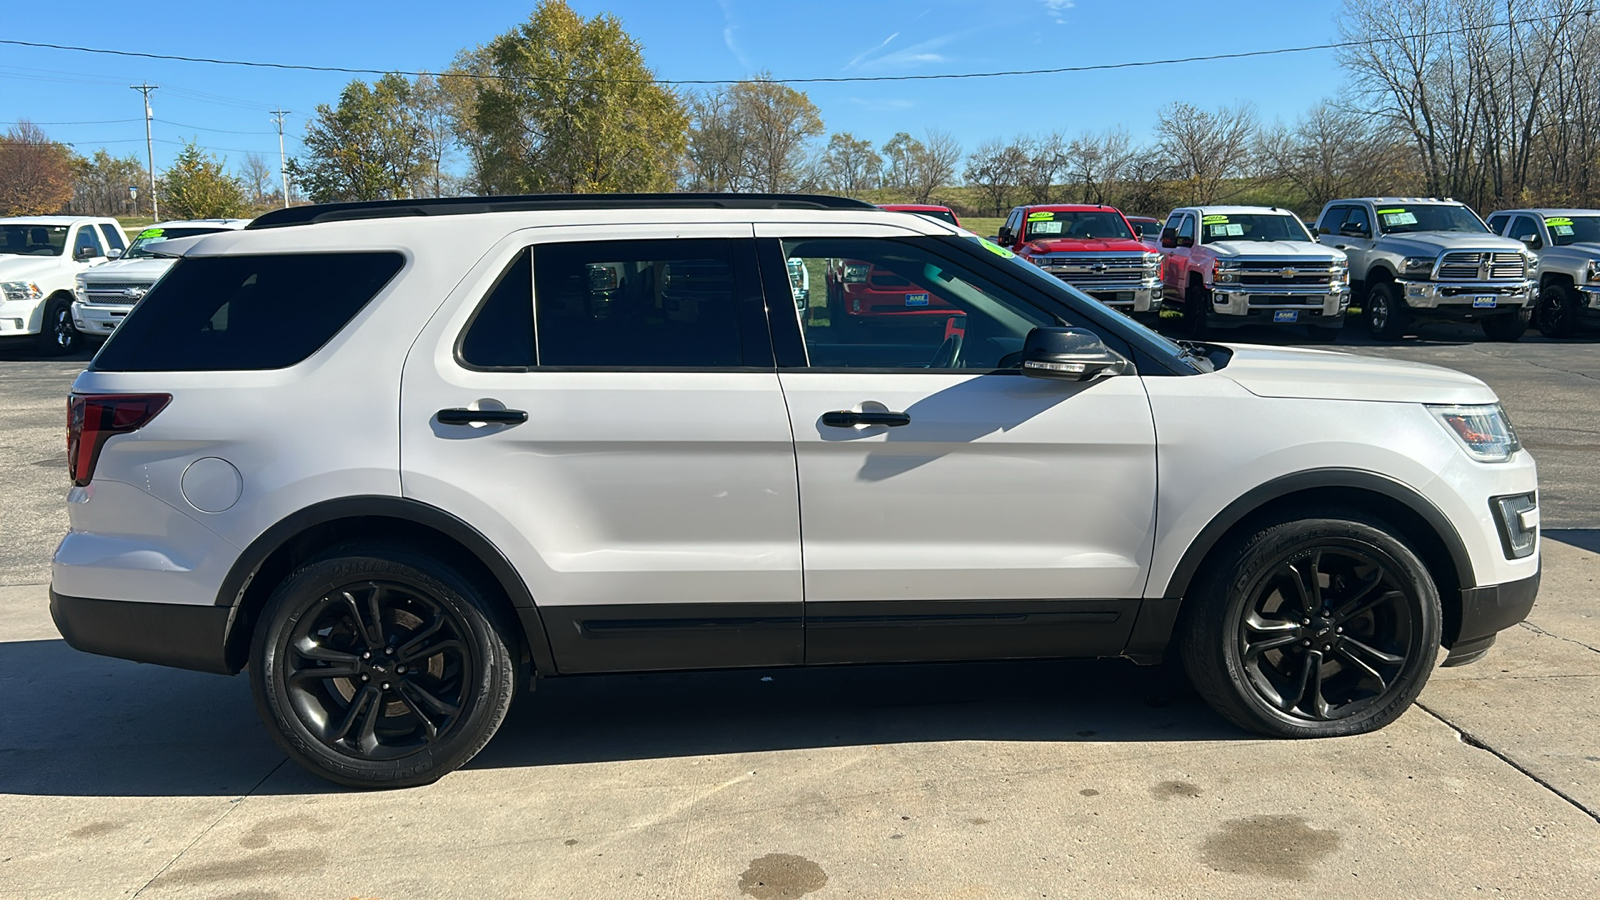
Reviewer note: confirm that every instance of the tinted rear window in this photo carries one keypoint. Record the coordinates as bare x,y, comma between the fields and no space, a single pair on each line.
245,312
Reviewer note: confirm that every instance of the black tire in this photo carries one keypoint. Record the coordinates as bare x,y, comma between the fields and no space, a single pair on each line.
1323,334
1386,312
1342,658
1508,327
1196,307
1560,309
415,715
57,335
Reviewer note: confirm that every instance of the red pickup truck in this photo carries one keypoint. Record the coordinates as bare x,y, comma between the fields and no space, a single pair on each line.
1092,248
860,293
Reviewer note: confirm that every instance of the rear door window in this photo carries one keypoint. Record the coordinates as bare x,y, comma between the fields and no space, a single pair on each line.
228,313
113,237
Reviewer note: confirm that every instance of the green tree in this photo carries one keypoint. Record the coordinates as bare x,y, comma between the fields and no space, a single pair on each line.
196,187
574,109
775,122
35,172
369,147
100,184
849,165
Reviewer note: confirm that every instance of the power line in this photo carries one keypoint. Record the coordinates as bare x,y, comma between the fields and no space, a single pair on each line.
96,122
843,79
206,128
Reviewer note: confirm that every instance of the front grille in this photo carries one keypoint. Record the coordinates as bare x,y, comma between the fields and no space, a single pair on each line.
1268,279
111,291
1477,266
1082,269
1271,271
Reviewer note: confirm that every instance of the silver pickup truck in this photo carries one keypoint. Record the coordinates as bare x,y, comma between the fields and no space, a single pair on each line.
1567,242
1413,258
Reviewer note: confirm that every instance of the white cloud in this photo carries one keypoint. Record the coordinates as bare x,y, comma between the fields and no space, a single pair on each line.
867,53
1057,10
916,54
729,28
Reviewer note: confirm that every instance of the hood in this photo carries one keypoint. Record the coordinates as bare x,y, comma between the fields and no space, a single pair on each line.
1331,375
1090,245
129,270
1432,243
1304,249
28,268
1583,248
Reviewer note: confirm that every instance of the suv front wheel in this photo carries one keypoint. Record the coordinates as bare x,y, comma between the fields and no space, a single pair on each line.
1312,628
380,667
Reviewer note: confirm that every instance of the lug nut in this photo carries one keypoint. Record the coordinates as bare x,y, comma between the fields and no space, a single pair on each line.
1306,643
1305,621
366,654
400,669
1338,631
388,651
365,678
386,685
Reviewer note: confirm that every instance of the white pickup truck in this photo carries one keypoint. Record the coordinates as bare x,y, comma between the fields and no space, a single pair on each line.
40,258
1419,258
106,294
1567,242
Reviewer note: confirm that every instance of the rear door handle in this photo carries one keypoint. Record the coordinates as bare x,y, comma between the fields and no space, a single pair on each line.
460,416
847,418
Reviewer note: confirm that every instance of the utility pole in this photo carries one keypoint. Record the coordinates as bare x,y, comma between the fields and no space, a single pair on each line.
150,147
283,165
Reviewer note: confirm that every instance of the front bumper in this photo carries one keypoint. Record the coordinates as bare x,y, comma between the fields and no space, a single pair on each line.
1315,304
1467,298
1137,297
1591,301
166,634
98,319
1487,611
20,317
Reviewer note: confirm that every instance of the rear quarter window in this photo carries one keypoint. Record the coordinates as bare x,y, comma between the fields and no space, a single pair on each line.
239,313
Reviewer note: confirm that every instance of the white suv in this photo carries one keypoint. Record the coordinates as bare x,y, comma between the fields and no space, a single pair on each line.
402,458
106,294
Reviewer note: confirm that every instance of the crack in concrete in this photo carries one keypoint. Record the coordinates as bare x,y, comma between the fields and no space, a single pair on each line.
1482,352
1537,630
232,805
1472,740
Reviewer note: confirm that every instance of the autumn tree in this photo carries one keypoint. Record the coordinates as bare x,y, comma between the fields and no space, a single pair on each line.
35,172
1206,147
196,187
994,169
774,123
849,165
100,183
573,108
915,169
365,148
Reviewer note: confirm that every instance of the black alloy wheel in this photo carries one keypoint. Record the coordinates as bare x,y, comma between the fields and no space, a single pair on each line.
1318,627
1387,316
380,668
57,335
1559,311
1196,308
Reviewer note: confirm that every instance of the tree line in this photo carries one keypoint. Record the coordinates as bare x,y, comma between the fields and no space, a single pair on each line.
1493,102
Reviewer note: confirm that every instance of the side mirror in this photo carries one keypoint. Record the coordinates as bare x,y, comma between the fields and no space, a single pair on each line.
113,253
1138,229
1004,237
1186,242
1070,354
90,252
1532,241
1353,229
1169,238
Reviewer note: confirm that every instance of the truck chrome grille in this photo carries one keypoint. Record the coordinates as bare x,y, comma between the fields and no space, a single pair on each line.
1083,269
1480,266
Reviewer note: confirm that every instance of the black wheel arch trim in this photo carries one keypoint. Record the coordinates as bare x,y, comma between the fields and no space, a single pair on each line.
232,592
1283,486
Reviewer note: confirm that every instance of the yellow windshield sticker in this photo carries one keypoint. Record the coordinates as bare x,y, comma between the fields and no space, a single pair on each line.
151,233
1558,221
1388,212
1213,220
1041,216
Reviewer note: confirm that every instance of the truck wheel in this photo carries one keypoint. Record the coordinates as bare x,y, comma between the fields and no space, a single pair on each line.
1317,627
1387,316
1559,310
57,335
377,666
1196,307
1507,328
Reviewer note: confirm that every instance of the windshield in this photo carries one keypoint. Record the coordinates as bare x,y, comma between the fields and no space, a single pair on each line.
1150,340
1251,227
1100,223
23,239
1429,217
943,215
1566,230
142,247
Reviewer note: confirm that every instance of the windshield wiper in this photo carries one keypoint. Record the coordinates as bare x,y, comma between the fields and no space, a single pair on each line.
1198,352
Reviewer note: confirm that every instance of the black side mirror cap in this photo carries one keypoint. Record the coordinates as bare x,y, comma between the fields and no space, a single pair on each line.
1070,354
1169,238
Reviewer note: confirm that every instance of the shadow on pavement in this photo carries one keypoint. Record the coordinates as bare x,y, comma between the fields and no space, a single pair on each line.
1582,538
80,725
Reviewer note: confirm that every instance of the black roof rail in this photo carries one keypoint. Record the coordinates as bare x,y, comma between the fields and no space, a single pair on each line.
461,206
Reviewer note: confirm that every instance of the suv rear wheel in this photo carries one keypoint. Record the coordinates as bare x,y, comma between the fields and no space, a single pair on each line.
381,667
1312,628
1387,316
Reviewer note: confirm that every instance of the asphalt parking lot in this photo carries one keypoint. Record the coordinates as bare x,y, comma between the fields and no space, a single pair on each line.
1050,779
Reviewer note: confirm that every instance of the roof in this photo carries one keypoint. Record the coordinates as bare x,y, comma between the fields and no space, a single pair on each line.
914,207
1398,200
52,220
1071,207
462,206
1541,211
1242,210
190,223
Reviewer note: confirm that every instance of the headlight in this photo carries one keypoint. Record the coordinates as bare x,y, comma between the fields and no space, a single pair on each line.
1484,431
1152,260
21,290
1224,273
856,273
1594,270
80,289
1421,266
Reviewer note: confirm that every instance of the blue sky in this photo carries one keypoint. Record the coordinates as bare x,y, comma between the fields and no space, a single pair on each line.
225,108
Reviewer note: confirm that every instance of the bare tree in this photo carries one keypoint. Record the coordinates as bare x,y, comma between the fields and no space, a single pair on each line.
258,179
1098,162
1206,147
849,165
935,165
994,169
1332,152
714,158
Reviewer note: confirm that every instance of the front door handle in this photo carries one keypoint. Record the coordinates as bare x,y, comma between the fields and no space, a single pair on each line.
460,416
1340,247
849,418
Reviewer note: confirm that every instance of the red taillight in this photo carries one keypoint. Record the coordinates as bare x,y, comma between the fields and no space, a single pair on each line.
93,418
